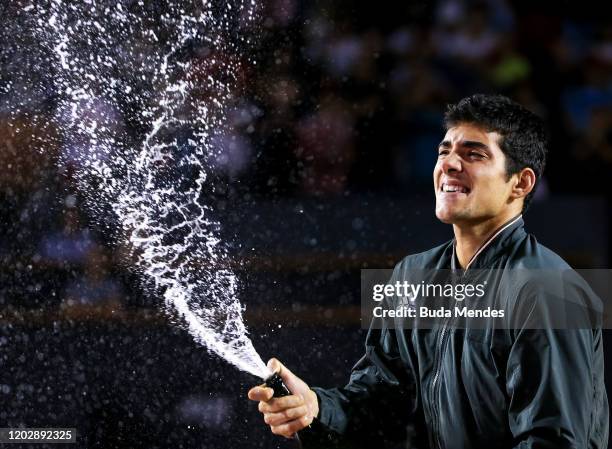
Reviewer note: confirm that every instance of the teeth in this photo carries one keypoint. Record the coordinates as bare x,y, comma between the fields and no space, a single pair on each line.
447,188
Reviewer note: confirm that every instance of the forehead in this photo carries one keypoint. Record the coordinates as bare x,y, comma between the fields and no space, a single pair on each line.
468,132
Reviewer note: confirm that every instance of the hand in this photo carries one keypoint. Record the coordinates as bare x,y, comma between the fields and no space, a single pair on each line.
289,414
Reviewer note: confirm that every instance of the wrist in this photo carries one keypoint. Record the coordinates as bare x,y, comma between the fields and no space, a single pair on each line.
313,404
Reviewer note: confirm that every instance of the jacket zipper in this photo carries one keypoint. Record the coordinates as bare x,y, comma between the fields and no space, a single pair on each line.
441,350
433,386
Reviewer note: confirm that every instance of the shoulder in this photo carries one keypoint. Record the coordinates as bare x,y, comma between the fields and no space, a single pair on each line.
532,267
541,286
527,253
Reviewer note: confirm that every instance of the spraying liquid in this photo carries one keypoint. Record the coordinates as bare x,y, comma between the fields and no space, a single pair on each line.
143,89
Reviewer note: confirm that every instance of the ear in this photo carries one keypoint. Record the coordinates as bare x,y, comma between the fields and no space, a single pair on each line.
524,182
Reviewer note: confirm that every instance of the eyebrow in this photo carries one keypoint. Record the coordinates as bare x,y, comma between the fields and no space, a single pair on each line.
465,143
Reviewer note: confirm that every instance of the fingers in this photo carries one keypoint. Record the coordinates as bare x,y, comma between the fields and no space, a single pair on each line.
290,414
290,428
260,393
279,404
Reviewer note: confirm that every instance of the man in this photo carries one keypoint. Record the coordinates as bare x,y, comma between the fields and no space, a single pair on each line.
507,388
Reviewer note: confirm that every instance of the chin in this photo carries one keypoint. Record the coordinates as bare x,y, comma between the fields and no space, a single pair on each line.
450,215
446,217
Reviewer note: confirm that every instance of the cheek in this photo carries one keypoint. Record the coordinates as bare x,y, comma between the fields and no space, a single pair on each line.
495,189
436,171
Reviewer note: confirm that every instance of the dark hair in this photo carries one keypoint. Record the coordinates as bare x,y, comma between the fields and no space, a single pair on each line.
523,138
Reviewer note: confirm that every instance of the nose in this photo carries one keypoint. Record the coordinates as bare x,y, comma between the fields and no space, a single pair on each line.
451,163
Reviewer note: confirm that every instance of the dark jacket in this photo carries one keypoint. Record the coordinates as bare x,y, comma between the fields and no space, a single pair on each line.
459,389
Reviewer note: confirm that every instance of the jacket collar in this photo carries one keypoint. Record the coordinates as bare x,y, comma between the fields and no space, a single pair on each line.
492,247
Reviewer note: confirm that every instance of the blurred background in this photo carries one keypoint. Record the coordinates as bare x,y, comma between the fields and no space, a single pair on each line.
325,168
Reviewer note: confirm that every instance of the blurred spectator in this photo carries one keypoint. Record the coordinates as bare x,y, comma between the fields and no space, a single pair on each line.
92,122
509,67
472,40
280,13
602,48
28,151
232,153
595,91
326,146
273,133
72,244
95,287
593,152
343,54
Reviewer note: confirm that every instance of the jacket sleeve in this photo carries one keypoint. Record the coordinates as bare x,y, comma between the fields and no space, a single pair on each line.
376,403
554,376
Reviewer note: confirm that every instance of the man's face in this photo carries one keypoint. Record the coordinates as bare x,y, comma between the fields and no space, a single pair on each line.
470,177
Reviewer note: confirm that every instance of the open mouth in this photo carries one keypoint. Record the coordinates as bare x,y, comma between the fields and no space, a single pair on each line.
454,188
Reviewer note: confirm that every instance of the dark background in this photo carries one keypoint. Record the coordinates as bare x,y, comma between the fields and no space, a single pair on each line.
325,169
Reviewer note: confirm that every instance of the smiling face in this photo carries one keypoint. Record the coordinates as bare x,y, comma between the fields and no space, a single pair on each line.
470,178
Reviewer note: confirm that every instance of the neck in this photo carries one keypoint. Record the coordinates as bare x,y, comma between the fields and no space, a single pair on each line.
469,238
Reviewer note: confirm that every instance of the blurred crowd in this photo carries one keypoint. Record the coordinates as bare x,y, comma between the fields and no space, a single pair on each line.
352,97
337,98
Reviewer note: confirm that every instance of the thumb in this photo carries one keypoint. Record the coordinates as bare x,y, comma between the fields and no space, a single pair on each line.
275,366
293,383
